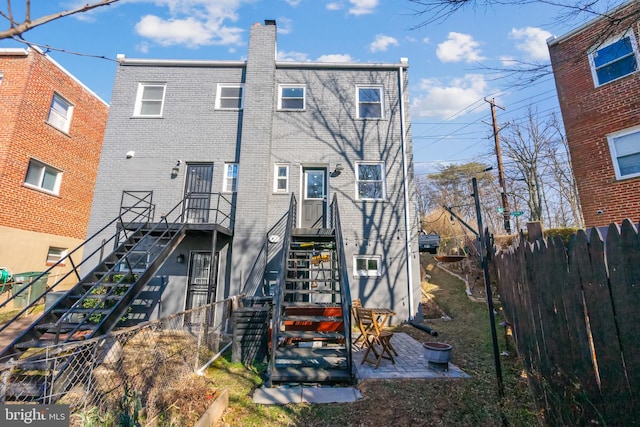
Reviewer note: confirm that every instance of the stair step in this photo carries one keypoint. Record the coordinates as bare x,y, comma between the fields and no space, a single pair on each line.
64,327
310,335
303,318
311,292
305,269
311,305
310,374
311,352
311,279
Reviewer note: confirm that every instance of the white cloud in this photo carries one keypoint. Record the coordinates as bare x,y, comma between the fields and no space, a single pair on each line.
293,3
363,7
508,61
285,25
426,40
334,6
532,41
292,56
382,42
336,58
192,23
143,47
444,100
459,47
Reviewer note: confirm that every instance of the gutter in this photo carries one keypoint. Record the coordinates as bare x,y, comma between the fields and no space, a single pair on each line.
405,173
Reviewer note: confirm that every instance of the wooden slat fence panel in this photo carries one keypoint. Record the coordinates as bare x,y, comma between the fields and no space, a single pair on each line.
575,314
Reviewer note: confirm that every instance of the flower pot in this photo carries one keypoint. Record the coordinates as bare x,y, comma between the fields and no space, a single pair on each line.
438,355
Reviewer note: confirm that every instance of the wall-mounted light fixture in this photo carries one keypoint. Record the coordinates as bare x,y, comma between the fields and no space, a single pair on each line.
338,170
180,259
176,169
130,154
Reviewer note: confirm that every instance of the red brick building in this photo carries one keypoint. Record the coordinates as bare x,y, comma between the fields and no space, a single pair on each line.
50,143
596,69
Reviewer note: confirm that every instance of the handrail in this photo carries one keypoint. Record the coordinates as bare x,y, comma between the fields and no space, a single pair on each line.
75,268
278,298
345,289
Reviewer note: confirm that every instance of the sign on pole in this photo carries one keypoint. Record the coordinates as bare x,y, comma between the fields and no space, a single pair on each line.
516,213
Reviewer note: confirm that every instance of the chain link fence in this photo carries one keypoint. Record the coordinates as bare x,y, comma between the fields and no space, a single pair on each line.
122,371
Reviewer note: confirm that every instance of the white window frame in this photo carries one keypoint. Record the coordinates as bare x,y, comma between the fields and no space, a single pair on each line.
277,178
140,101
42,168
368,272
594,52
380,89
219,97
282,87
615,137
55,254
60,120
227,179
383,180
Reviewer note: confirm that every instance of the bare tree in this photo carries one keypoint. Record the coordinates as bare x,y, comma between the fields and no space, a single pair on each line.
17,26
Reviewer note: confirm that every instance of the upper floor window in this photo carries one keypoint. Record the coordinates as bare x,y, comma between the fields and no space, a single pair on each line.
60,113
43,177
291,97
369,102
229,96
625,152
281,178
370,181
230,184
614,59
150,100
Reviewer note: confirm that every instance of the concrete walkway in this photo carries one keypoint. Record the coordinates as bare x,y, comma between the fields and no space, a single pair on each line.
410,364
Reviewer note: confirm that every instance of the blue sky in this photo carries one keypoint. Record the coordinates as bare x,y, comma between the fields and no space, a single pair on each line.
451,62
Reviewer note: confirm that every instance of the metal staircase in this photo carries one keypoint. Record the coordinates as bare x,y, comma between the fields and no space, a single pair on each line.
311,330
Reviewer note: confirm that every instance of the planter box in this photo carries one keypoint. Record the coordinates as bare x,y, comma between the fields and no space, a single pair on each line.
215,411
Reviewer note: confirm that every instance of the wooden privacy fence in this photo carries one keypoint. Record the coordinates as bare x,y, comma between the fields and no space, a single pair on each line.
575,314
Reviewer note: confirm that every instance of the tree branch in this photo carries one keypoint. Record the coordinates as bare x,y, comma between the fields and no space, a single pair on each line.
17,29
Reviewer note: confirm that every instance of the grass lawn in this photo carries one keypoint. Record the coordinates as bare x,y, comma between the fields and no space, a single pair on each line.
432,402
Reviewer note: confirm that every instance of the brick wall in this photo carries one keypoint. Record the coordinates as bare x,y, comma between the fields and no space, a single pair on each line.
589,115
27,88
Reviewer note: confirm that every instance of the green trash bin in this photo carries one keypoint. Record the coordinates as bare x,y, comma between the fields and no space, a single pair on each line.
35,288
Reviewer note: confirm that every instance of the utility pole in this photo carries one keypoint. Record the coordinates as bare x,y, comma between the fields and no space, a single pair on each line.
503,190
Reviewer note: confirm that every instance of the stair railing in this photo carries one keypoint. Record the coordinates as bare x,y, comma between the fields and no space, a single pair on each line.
141,209
278,298
345,289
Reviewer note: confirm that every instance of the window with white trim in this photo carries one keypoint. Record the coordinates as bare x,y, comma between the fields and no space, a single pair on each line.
150,100
43,177
281,178
55,254
60,113
291,97
625,152
366,265
614,59
369,100
370,181
230,183
229,96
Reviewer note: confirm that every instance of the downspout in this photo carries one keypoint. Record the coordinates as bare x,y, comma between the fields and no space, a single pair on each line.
407,227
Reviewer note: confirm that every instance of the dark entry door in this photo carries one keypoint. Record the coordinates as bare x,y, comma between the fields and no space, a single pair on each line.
200,291
314,199
198,188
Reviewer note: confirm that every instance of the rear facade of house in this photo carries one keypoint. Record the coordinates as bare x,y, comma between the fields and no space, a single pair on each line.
233,145
50,141
596,72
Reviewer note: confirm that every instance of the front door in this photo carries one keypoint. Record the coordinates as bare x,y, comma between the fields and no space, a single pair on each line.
198,189
314,198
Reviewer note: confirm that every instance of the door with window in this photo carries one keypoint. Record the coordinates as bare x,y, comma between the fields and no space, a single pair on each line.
199,291
198,190
314,200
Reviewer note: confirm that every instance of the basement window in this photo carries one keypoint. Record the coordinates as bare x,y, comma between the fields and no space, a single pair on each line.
366,266
54,255
614,59
625,152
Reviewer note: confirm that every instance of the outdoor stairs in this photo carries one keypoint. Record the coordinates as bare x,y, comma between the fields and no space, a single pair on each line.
312,345
93,307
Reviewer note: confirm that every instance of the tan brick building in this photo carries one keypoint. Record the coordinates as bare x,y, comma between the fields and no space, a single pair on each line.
50,143
596,69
